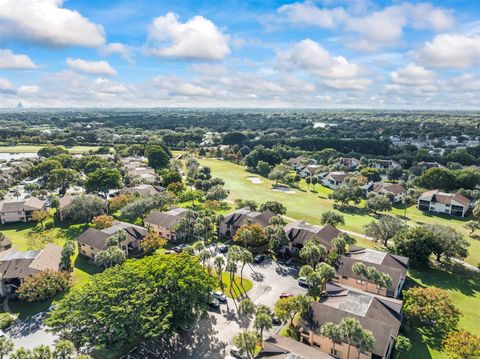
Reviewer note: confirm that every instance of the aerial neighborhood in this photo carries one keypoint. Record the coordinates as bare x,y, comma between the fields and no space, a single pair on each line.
222,246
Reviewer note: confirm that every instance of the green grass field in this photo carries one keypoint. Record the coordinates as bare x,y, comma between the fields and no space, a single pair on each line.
239,287
308,205
35,148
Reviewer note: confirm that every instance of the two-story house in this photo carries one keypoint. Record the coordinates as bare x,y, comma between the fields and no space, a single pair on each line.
235,220
454,204
20,211
165,223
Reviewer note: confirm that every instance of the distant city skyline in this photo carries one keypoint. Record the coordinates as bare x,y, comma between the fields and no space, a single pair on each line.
325,54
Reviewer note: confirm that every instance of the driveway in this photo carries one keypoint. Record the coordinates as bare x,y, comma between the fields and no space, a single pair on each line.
30,333
212,337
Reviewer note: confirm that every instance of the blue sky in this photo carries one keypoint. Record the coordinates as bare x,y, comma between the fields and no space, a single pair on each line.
331,53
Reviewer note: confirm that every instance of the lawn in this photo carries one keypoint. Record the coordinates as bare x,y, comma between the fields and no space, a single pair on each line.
35,148
308,205
239,287
465,294
18,234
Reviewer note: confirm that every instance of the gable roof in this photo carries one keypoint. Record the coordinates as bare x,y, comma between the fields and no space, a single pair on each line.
29,204
394,265
98,238
280,347
167,219
381,316
445,198
337,176
240,216
300,232
394,188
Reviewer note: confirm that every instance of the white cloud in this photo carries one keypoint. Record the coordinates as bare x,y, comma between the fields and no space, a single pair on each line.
47,22
310,56
198,38
28,89
9,60
177,86
126,52
308,13
91,67
454,51
6,86
107,86
413,75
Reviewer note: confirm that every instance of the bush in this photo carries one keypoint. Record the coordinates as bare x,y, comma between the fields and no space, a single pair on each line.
43,285
6,319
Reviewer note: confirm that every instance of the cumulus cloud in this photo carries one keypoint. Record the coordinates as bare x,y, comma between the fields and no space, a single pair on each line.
456,51
309,14
47,22
107,86
198,38
11,61
413,75
125,52
384,28
28,89
6,86
337,72
91,67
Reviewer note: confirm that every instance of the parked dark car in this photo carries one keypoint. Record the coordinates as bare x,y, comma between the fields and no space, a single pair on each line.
177,249
223,248
259,258
214,304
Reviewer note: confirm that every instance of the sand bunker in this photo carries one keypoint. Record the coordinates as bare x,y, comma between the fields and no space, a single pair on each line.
283,189
254,180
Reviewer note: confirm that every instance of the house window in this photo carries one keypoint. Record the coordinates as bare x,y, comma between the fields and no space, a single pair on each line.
359,281
336,353
344,277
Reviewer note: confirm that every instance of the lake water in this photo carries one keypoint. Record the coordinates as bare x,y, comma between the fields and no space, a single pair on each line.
16,156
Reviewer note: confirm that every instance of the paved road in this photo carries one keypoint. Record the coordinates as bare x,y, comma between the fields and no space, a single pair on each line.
30,333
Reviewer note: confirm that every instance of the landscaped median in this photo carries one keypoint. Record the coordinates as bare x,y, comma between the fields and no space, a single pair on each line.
239,286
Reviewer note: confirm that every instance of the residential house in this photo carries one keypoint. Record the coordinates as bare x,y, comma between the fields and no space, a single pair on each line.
164,223
94,240
385,164
143,190
280,347
297,163
334,180
308,171
20,211
381,316
427,165
63,202
235,220
15,265
300,232
394,265
350,163
396,191
454,204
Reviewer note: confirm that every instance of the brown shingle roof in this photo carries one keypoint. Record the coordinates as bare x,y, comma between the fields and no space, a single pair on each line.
98,238
166,219
240,216
300,233
280,347
445,198
381,316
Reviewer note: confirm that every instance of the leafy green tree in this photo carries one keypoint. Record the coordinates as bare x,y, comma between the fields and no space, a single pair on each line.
247,342
415,243
462,345
21,353
378,203
62,178
129,303
152,242
103,180
447,242
263,321
109,257
43,169
157,156
42,352
433,307
43,285
402,345
83,208
372,174
64,349
246,309
333,218
287,308
437,178
68,251
472,226
50,151
384,229
263,168
6,346
273,206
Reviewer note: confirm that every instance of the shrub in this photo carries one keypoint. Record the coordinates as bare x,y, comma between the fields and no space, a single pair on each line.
6,319
43,285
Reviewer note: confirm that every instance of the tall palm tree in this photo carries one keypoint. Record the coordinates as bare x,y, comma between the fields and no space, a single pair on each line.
263,321
231,268
219,263
360,270
339,245
350,330
364,342
6,346
247,342
313,252
332,332
219,219
246,308
245,257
